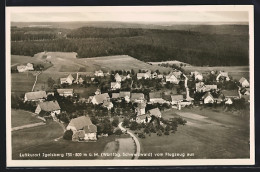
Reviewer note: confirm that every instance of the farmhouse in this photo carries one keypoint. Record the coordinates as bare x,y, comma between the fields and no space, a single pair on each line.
244,83
155,112
99,73
176,99
233,94
145,118
156,97
82,128
146,75
172,78
68,80
201,87
208,98
140,110
115,85
197,75
101,98
48,108
222,76
65,92
137,97
23,68
35,96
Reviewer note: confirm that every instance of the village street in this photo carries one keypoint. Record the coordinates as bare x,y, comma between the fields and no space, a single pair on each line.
137,143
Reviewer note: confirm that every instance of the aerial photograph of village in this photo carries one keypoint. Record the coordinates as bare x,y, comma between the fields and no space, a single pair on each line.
130,85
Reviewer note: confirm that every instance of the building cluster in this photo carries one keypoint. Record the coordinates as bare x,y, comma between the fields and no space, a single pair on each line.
24,68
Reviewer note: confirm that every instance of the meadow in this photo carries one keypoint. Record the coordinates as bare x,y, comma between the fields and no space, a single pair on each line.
21,117
208,134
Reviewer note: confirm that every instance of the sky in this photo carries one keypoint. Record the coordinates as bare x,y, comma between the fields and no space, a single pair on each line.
132,16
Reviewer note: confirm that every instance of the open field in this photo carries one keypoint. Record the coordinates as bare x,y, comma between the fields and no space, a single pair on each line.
21,117
22,82
235,71
207,134
16,60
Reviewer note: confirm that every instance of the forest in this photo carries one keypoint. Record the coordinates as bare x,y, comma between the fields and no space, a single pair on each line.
149,45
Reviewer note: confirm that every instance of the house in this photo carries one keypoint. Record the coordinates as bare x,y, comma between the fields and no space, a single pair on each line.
48,108
160,76
144,118
115,95
208,98
228,101
244,83
156,97
245,91
101,98
126,95
155,112
201,87
65,92
222,76
137,97
23,68
176,99
172,78
108,105
82,128
99,73
35,96
118,78
197,75
146,75
140,110
233,94
69,80
115,85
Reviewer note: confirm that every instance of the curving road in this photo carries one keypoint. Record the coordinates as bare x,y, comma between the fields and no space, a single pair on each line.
137,143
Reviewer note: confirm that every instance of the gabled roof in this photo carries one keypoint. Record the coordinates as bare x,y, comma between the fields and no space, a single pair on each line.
36,95
142,117
113,84
211,87
230,93
115,95
80,122
101,97
177,97
70,77
124,93
154,95
137,96
242,80
155,112
107,103
207,94
90,129
64,91
49,106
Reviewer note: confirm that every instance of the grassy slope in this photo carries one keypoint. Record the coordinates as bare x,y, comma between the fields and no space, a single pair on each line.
205,140
20,117
22,82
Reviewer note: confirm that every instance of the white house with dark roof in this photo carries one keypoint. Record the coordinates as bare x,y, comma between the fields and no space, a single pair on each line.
48,108
244,82
101,98
173,77
117,77
67,80
82,126
35,96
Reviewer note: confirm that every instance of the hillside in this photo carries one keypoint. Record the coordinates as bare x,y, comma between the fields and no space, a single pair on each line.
149,45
